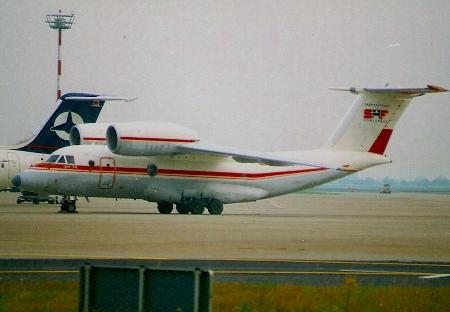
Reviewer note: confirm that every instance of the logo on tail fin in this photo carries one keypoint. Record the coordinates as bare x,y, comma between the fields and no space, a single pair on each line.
64,122
375,115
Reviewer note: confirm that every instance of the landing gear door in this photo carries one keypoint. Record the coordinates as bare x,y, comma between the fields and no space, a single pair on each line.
13,165
107,173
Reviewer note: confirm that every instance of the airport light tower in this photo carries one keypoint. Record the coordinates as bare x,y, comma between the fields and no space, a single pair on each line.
59,22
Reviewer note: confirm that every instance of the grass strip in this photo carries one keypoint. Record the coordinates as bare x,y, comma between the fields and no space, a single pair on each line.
46,295
42,295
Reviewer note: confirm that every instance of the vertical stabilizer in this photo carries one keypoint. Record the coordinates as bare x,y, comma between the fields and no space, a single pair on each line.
54,134
73,109
368,124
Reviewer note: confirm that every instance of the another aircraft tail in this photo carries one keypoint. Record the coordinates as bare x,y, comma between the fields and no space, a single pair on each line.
369,123
73,109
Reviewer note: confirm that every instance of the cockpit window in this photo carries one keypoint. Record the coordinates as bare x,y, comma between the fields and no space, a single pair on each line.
61,159
70,159
52,158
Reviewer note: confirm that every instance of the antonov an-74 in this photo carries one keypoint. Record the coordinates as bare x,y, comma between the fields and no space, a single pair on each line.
167,164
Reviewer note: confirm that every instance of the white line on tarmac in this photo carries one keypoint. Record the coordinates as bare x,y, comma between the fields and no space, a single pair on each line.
435,276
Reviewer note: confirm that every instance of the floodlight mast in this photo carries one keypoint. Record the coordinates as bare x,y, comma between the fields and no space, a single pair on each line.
59,22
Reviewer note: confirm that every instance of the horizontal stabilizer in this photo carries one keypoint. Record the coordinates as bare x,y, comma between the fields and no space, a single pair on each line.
99,98
401,90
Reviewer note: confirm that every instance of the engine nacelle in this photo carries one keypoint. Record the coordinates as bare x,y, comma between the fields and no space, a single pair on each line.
91,133
148,138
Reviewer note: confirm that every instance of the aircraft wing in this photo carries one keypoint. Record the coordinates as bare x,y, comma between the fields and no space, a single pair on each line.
246,156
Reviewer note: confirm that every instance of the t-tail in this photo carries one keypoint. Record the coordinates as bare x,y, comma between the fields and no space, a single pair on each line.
73,109
370,121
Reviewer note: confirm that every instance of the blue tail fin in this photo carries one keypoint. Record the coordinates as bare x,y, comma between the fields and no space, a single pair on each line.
74,108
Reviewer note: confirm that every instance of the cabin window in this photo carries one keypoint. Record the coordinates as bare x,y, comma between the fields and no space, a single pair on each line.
2,165
70,159
52,158
62,160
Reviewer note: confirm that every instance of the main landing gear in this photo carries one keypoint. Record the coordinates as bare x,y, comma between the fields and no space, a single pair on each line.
194,206
68,205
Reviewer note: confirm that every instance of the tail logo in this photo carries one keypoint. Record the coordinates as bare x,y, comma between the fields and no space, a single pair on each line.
64,122
375,115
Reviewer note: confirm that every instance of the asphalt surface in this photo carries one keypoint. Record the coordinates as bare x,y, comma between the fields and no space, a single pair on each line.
329,273
398,239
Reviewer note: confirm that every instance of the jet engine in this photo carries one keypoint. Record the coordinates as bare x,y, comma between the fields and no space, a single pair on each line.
91,133
148,138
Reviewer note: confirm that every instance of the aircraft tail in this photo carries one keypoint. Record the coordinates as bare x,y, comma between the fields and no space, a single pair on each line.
73,109
370,121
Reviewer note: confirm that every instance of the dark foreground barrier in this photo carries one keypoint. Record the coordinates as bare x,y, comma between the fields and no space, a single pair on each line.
144,289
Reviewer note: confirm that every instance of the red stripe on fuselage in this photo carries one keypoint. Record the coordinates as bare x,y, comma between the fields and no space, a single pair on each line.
175,173
42,147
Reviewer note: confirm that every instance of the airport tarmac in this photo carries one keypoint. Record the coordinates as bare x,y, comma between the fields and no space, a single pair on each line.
338,226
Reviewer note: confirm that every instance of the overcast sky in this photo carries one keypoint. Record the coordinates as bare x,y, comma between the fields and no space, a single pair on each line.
248,74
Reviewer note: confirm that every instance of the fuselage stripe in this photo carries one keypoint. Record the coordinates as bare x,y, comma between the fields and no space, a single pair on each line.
41,147
173,172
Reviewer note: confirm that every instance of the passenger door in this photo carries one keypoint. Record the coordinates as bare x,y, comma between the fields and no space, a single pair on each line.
107,173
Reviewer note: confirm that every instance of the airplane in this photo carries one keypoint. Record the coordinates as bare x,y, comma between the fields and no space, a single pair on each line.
168,164
72,109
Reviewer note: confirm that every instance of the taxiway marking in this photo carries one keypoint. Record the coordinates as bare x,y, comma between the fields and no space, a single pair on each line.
237,272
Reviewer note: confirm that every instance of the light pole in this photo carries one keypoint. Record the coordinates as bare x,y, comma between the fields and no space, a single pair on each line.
60,22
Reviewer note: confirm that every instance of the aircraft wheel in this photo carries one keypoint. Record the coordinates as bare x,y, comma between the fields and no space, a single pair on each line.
182,209
215,207
165,207
19,201
197,206
71,208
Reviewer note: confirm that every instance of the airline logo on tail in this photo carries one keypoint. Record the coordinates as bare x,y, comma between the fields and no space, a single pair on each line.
375,115
64,122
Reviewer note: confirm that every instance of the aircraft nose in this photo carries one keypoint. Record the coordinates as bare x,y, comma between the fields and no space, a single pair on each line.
16,181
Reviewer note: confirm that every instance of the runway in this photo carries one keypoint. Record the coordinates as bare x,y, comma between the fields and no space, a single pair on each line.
338,226
398,239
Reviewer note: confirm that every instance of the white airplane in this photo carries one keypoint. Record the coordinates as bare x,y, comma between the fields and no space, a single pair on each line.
72,109
167,164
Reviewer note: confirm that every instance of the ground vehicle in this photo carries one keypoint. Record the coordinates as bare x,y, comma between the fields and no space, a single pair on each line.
36,198
385,189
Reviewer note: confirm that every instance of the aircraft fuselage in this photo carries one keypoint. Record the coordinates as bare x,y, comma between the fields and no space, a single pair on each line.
96,172
12,162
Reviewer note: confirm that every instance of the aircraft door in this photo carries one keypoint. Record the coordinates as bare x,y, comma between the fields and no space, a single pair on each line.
107,173
13,165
